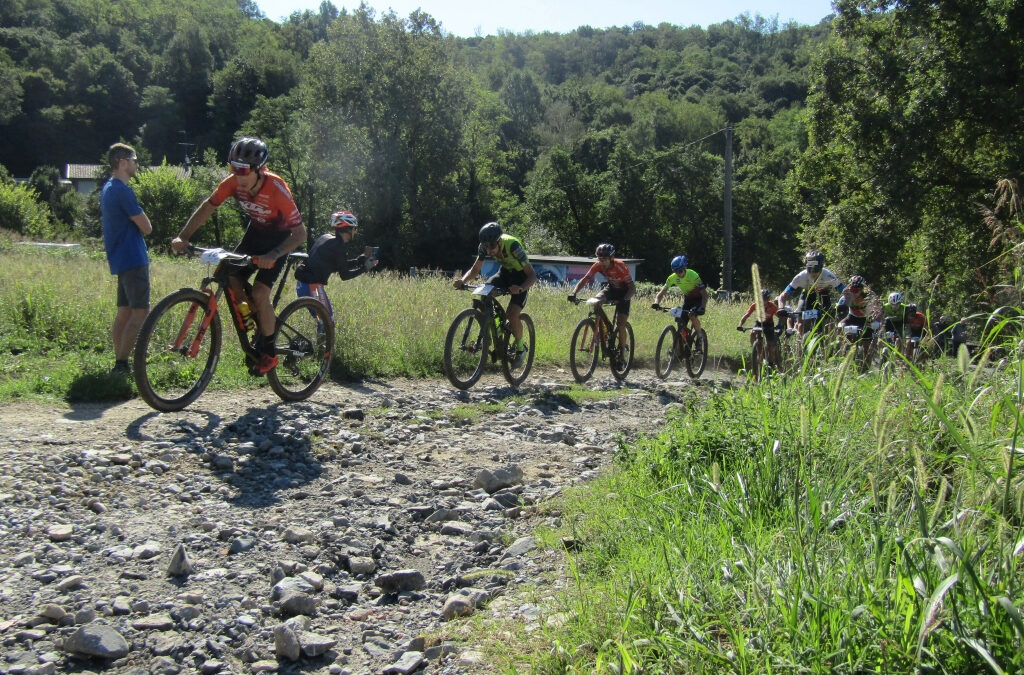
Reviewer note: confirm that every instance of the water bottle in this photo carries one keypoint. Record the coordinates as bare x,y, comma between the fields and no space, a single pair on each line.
246,313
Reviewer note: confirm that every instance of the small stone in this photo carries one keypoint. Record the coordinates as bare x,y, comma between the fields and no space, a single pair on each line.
286,643
180,564
70,583
409,662
97,641
402,580
59,533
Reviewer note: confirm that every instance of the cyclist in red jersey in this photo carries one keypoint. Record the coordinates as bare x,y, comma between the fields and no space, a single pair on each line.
620,284
770,308
275,230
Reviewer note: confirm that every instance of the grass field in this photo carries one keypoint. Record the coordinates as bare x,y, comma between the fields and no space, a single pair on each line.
57,308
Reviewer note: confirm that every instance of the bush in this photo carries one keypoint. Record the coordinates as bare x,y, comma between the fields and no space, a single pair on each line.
21,211
169,200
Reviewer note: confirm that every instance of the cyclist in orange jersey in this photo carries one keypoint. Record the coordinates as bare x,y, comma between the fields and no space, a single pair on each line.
275,230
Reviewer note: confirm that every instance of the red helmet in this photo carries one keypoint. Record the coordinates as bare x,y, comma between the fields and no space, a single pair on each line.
344,220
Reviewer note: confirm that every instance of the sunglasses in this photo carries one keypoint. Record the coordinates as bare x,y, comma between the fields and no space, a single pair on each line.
240,168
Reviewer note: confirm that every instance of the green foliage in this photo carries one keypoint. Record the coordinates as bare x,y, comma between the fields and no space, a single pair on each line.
21,211
169,200
911,122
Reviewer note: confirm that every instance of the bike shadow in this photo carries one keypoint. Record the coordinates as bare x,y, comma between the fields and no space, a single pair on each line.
264,455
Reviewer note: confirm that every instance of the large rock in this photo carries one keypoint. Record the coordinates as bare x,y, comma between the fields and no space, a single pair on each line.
502,477
402,580
96,641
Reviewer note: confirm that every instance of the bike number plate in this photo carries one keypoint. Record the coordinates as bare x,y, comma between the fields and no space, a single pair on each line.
675,312
808,314
483,290
213,256
851,330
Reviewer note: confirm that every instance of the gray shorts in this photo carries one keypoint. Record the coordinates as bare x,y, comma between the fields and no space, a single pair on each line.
133,288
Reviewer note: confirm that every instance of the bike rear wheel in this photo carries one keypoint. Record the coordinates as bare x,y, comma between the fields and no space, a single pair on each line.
666,356
516,375
622,355
583,350
304,342
465,348
167,377
698,356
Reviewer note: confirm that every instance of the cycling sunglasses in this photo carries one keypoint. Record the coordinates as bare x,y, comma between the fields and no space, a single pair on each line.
240,168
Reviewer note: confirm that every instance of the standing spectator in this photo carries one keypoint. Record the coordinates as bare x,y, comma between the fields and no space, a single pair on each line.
124,225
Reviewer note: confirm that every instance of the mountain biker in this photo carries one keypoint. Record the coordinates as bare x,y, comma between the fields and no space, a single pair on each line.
515,275
695,293
861,302
620,285
816,283
770,308
894,312
959,335
275,230
328,255
916,322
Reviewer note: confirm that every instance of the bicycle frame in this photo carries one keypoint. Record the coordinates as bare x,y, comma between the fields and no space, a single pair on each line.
492,309
605,326
220,279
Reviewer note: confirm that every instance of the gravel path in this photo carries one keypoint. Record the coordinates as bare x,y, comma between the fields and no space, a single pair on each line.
338,535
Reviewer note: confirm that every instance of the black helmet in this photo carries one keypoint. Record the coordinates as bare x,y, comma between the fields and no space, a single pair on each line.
856,281
251,152
604,251
490,234
765,293
814,261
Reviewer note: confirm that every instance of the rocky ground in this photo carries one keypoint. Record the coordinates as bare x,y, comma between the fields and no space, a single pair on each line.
344,534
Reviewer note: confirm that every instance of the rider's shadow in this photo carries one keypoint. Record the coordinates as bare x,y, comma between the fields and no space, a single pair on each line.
91,393
259,455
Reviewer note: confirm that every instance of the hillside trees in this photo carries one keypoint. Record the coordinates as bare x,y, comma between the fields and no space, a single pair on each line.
384,110
915,114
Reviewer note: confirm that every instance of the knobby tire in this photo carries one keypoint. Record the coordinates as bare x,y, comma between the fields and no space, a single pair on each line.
304,342
168,379
465,348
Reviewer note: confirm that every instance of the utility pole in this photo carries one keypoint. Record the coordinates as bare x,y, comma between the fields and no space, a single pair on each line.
727,216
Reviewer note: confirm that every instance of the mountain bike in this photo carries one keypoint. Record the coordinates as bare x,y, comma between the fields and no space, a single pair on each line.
477,329
677,344
179,344
598,337
764,353
864,346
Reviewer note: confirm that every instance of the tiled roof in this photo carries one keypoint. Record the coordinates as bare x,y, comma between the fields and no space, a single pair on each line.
88,171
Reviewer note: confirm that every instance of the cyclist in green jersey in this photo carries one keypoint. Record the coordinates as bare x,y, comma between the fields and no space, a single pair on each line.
515,274
695,293
894,313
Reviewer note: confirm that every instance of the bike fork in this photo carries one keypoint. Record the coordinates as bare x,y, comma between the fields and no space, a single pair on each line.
197,342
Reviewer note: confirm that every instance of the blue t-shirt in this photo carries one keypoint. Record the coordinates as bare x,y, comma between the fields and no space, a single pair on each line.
122,238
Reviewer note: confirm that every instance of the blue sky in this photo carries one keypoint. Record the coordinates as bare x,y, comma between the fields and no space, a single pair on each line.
486,17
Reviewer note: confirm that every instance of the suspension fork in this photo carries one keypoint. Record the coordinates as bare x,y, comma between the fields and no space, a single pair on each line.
211,308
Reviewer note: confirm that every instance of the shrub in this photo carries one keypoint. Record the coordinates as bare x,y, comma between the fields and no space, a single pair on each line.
21,211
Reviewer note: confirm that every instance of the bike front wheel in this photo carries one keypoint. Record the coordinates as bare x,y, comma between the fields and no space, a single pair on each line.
177,350
756,360
583,350
304,342
698,356
666,356
622,355
465,348
516,373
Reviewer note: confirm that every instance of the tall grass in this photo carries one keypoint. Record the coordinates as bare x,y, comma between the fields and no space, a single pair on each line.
57,310
826,524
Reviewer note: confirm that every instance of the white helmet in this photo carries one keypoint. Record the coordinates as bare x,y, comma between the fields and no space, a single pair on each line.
895,298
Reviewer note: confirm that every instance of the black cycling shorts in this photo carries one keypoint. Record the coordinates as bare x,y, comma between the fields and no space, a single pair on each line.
506,278
259,242
610,294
